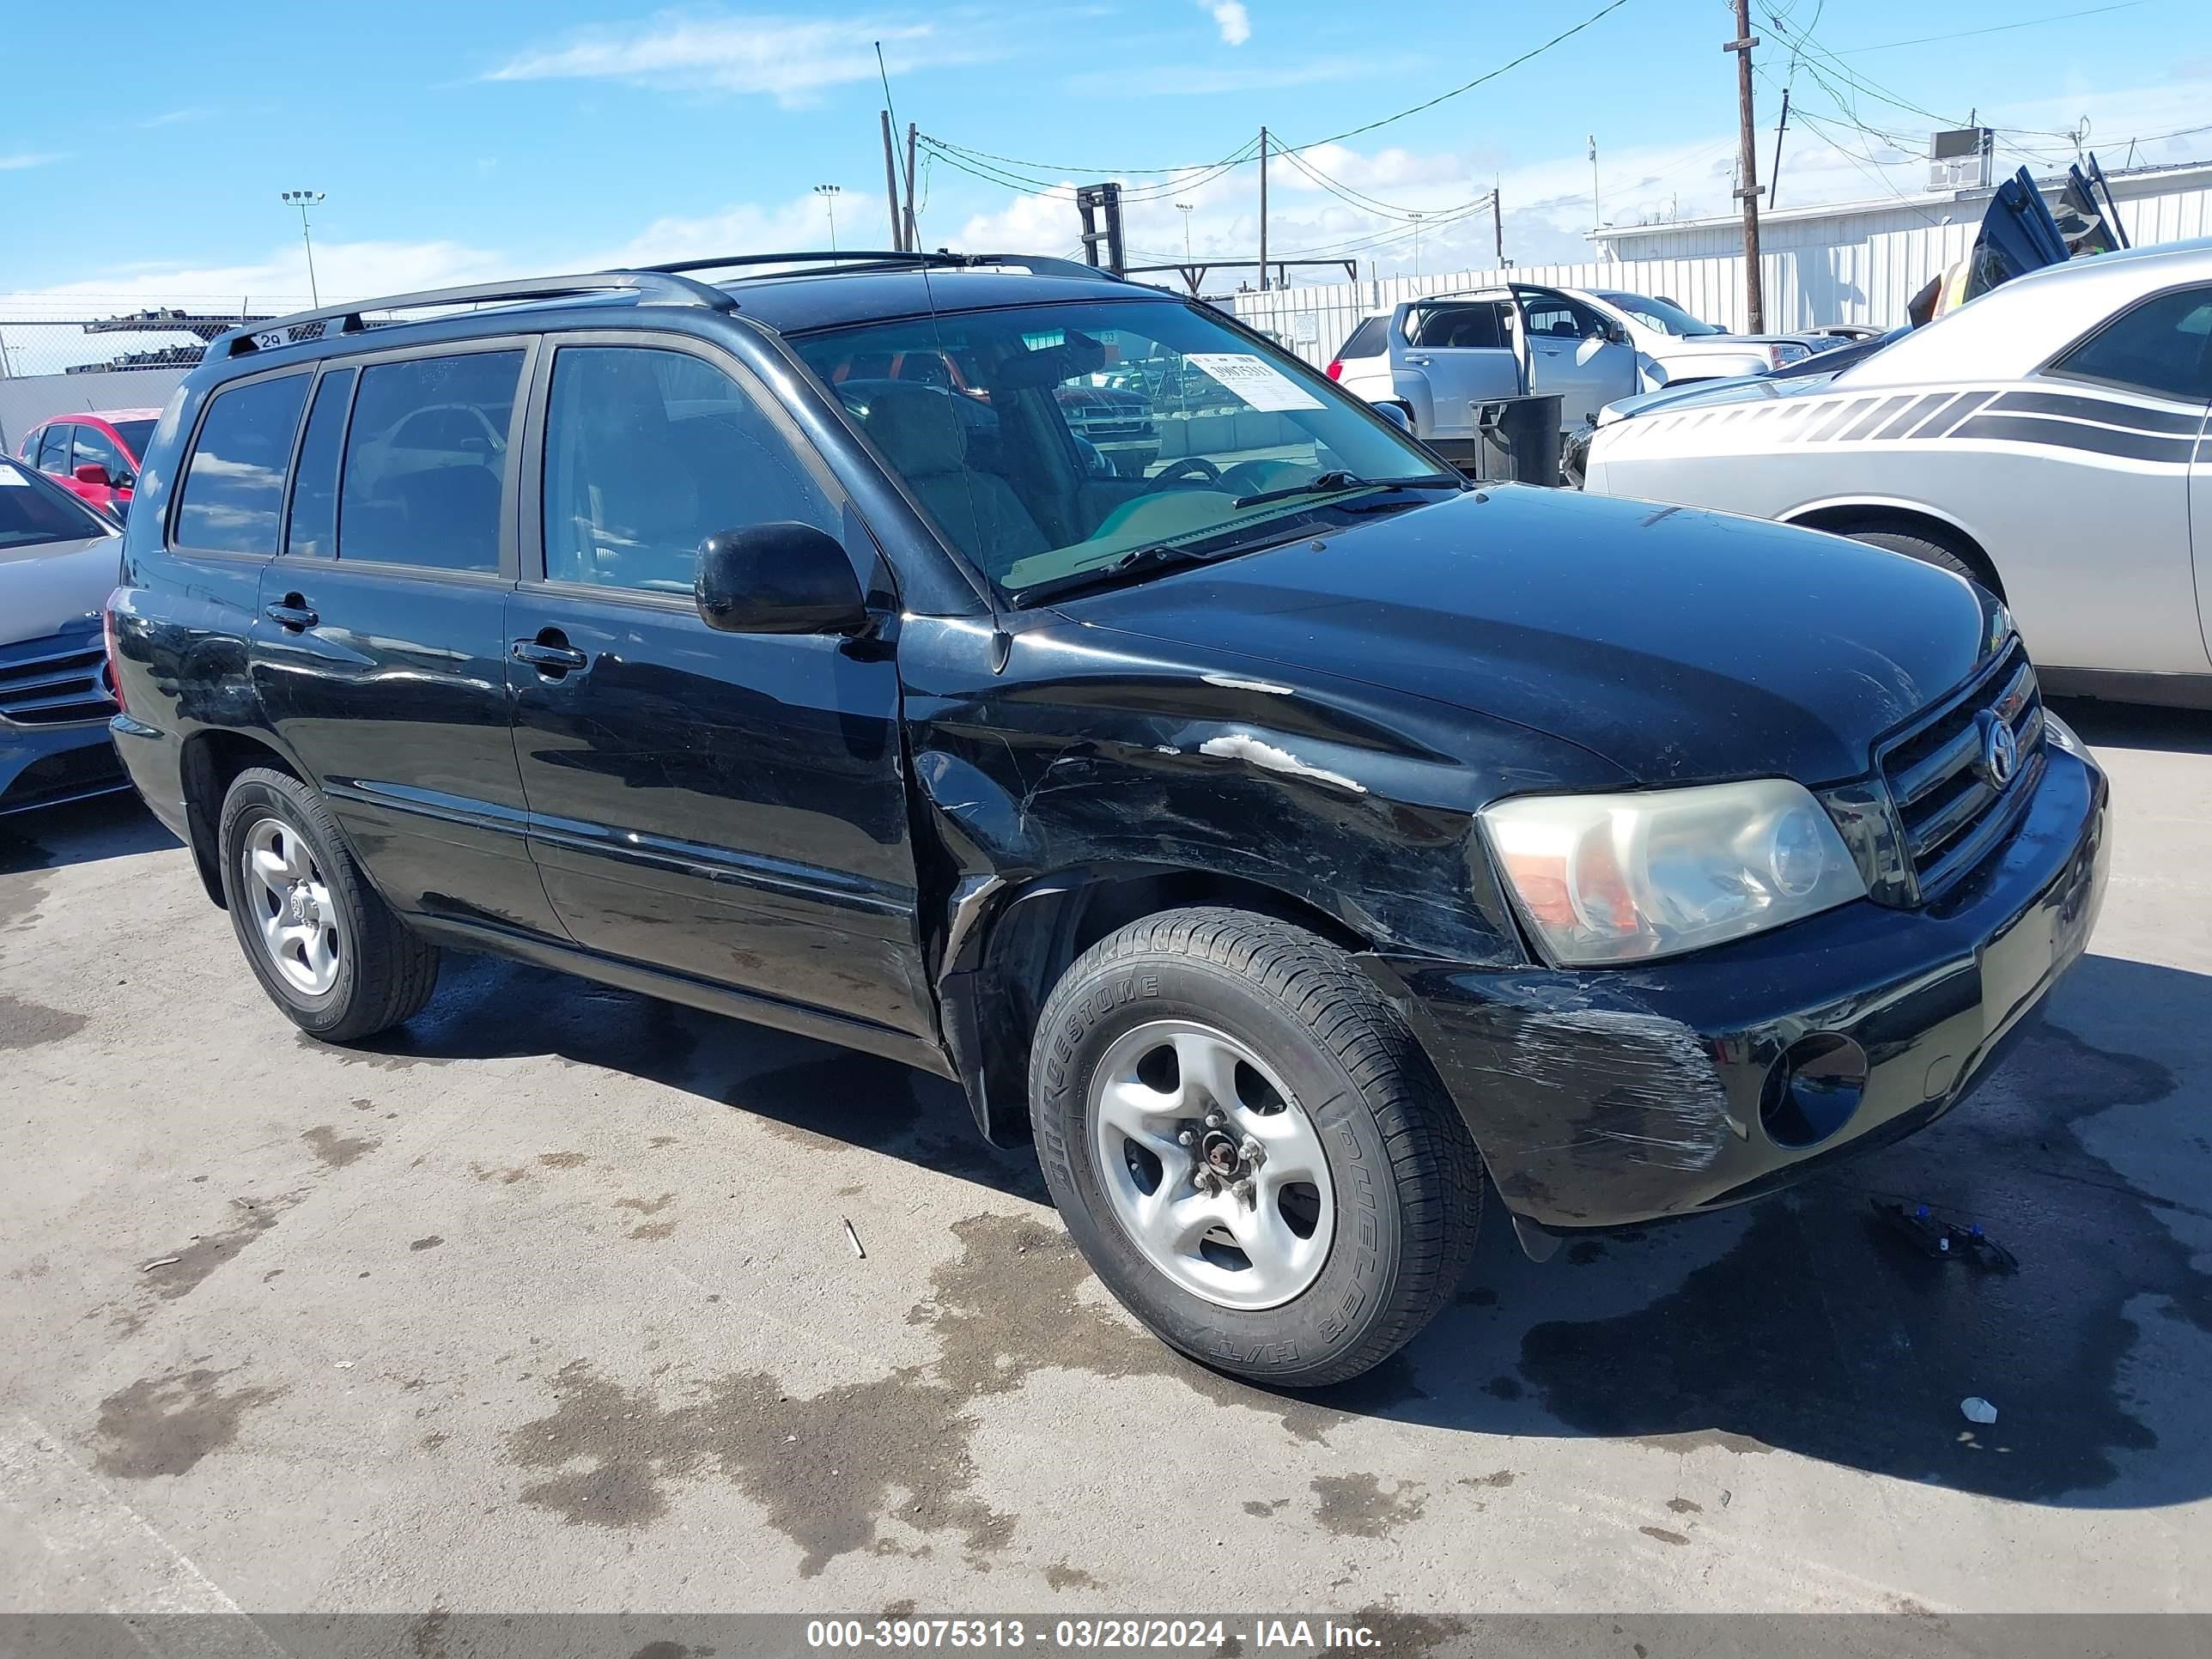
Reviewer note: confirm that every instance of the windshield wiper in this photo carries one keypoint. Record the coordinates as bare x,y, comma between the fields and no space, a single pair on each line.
1338,482
1137,561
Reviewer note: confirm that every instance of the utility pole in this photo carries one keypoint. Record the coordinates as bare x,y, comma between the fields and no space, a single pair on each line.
1774,173
1597,217
1263,210
829,194
912,230
304,199
891,186
1754,296
1496,223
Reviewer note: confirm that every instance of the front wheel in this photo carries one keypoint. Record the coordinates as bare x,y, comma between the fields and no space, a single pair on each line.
1249,1147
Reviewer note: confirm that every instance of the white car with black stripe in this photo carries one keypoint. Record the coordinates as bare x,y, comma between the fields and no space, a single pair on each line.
2049,439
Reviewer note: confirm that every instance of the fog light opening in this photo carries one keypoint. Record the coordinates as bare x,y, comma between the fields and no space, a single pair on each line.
1812,1090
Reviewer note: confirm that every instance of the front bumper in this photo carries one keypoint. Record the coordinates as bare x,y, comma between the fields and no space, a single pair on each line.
52,765
1600,1098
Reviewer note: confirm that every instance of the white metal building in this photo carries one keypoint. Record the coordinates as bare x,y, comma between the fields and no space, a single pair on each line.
1857,262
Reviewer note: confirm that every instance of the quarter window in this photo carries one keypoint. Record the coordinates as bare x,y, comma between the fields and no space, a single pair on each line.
234,483
647,453
313,528
425,457
1368,340
2164,347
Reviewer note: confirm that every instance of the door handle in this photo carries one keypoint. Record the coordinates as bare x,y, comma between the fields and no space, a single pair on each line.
550,653
292,612
1417,362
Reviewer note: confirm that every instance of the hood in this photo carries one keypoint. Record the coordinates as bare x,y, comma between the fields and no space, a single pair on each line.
1735,389
1681,646
45,588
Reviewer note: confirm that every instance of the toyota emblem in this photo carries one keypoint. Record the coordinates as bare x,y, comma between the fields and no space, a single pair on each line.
2000,751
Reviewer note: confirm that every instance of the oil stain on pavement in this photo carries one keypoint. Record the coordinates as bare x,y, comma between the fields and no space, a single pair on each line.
165,1425
833,1470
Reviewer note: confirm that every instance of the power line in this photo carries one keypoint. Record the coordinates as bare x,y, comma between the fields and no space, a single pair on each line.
1994,29
1016,165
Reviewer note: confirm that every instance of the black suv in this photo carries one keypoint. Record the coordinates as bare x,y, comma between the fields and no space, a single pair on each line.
1282,831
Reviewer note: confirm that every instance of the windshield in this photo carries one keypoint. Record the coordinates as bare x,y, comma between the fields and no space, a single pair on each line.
32,512
1663,315
137,434
1048,441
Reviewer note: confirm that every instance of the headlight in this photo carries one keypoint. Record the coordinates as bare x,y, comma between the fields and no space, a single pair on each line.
1625,878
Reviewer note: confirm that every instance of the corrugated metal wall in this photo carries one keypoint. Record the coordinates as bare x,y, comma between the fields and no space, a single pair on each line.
1859,266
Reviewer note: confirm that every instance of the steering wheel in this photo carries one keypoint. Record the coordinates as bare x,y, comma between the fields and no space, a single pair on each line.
1174,471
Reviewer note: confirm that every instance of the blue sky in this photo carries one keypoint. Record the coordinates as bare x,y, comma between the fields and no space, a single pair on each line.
460,141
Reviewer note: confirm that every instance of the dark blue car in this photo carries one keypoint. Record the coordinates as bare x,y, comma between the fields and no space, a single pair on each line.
58,562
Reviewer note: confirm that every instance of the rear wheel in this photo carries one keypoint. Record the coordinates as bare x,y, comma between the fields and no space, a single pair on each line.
1249,1148
325,945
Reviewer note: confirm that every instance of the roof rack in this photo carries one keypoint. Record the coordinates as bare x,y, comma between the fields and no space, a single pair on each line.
653,286
888,259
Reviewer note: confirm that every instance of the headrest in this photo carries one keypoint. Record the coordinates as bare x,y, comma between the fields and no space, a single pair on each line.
918,429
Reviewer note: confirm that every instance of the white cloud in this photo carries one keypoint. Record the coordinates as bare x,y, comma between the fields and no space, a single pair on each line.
278,283
23,159
1231,19
787,58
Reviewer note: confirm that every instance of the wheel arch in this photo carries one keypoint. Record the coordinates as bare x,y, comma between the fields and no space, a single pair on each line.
1022,935
1838,517
210,762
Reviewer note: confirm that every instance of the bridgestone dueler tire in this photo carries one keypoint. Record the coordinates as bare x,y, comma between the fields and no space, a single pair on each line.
1407,1178
388,975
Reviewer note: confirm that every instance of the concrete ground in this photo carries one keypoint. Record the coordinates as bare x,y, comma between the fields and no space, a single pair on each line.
549,1303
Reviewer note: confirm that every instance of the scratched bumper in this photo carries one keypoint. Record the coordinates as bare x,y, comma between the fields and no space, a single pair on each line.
1600,1098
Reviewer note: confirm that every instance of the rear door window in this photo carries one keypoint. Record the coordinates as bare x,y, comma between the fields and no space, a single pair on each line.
234,485
1464,328
426,460
54,448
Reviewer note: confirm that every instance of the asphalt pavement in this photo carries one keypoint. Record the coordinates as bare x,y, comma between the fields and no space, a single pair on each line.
547,1301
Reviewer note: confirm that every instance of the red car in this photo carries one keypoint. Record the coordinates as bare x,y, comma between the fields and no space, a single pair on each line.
96,454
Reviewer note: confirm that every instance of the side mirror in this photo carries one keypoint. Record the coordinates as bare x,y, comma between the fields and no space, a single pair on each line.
91,472
1395,414
1614,333
782,578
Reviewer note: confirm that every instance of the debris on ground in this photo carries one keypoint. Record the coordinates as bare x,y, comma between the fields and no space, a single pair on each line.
166,1261
1944,1241
1978,1410
856,1238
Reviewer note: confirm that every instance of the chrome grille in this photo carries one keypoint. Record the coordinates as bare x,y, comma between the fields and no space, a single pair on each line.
1951,812
55,682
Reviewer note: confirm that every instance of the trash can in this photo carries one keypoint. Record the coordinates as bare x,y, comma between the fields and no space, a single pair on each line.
1519,440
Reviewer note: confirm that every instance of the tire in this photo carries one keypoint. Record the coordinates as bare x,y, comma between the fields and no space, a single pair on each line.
1402,1198
1915,545
347,967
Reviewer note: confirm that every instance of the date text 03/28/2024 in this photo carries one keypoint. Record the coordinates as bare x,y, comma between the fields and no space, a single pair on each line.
1073,1635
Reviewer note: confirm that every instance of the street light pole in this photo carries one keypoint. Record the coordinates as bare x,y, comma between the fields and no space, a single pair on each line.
1417,218
1184,208
829,194
304,199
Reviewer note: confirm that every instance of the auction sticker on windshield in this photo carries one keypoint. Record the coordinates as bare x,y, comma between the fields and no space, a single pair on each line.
1258,382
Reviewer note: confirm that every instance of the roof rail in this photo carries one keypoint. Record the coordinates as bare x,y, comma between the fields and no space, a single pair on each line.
887,260
653,286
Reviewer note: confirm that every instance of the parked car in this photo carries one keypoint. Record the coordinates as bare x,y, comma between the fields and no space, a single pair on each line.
1282,840
93,455
58,562
1687,347
1442,359
2043,439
